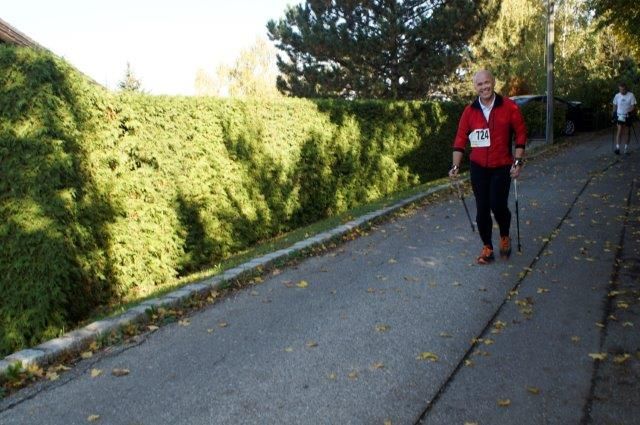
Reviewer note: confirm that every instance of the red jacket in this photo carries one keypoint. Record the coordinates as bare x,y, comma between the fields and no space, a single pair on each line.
491,141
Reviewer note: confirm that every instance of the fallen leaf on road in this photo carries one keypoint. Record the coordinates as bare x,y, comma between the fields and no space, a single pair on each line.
52,376
93,418
542,290
627,324
498,326
382,328
378,365
622,305
598,356
621,358
445,335
428,356
120,372
387,422
288,350
534,390
95,373
223,324
600,325
61,368
302,284
353,375
471,423
469,363
575,339
210,330
86,354
312,344
184,322
504,402
392,261
332,376
152,328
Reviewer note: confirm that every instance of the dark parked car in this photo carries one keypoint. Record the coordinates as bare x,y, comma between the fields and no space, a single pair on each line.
574,117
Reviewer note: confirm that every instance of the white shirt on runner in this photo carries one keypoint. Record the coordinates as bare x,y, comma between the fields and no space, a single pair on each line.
624,103
486,110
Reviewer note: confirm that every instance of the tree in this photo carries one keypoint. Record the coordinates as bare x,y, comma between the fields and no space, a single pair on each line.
129,82
512,46
388,49
623,16
253,75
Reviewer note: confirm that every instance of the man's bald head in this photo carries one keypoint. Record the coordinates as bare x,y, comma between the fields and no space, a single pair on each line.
484,84
482,74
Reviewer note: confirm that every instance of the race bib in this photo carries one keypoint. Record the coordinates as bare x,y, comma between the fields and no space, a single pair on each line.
622,117
480,138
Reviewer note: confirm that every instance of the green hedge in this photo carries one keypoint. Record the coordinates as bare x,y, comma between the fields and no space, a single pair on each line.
53,264
104,196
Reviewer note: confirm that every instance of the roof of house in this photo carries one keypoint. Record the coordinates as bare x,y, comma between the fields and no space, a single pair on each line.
10,35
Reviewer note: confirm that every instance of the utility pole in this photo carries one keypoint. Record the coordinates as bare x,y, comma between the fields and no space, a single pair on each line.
550,58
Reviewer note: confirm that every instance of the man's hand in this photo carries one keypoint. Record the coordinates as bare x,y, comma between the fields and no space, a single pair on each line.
453,172
516,168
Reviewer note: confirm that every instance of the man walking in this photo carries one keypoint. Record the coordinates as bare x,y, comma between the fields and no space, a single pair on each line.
488,125
624,105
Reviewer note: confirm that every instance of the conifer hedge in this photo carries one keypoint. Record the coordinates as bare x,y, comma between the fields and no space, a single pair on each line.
104,195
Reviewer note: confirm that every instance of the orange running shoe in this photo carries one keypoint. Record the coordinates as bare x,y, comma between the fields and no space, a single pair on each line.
486,256
505,247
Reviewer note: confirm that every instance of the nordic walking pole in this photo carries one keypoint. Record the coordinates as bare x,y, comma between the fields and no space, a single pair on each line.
515,187
457,185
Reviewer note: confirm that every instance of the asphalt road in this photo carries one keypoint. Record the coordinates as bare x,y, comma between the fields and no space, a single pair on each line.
401,326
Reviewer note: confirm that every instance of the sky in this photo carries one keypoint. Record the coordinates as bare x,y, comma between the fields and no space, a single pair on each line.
165,42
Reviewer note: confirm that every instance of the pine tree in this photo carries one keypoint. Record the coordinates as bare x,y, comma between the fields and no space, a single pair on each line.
387,49
130,82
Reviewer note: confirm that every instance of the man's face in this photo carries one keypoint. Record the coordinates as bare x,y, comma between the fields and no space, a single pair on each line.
484,84
622,89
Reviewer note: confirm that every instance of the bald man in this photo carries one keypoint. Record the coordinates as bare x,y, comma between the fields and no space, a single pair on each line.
488,126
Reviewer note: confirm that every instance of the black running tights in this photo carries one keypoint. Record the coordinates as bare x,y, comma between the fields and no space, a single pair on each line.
491,190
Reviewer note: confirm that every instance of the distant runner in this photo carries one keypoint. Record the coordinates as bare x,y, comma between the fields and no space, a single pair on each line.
624,106
488,125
